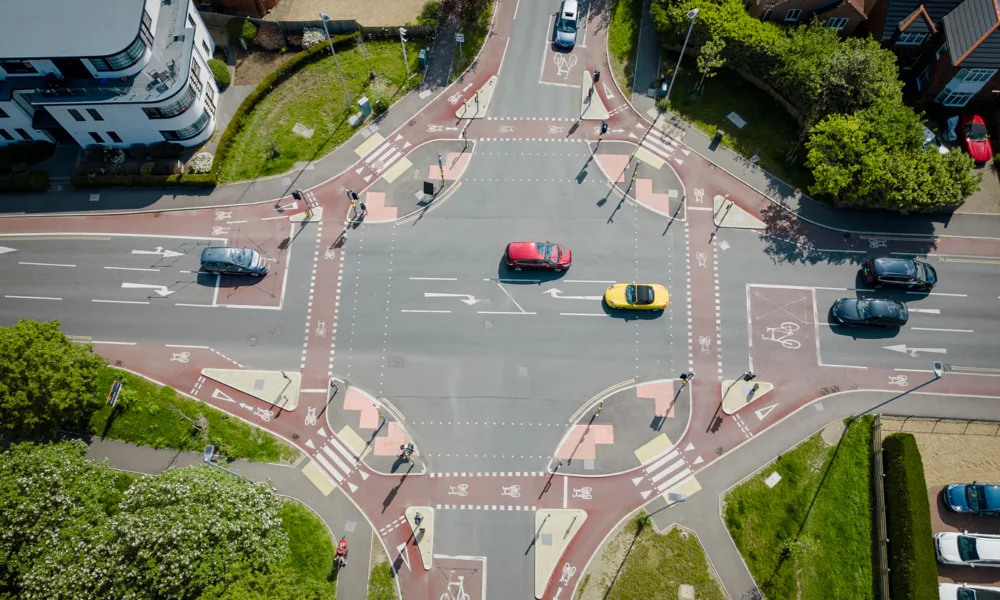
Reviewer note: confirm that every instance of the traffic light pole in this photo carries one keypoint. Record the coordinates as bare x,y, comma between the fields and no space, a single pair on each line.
402,42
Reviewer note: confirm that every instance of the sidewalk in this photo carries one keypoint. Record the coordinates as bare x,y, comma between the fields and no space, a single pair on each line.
442,54
647,63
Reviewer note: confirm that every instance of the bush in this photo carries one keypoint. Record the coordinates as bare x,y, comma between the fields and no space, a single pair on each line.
912,564
138,151
31,181
310,37
27,152
200,163
161,167
147,169
220,72
166,150
130,169
270,37
430,14
241,29
94,153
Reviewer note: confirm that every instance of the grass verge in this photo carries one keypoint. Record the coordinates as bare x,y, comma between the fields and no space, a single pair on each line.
310,545
623,39
380,582
314,97
769,132
475,36
821,511
153,420
640,563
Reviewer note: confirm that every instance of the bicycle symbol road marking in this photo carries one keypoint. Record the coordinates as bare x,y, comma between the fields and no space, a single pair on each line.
329,253
181,357
783,335
455,98
583,492
724,245
265,415
460,593
702,259
514,491
873,243
220,230
311,416
222,215
555,129
705,342
506,129
699,195
568,571
563,65
461,489
321,329
434,128
899,380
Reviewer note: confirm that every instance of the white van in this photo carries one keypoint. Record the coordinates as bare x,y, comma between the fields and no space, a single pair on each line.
566,24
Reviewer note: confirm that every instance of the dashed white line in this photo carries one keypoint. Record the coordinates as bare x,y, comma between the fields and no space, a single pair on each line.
130,269
944,330
34,264
425,311
32,297
433,278
121,301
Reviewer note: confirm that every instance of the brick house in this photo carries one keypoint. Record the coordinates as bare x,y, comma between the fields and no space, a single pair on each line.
840,15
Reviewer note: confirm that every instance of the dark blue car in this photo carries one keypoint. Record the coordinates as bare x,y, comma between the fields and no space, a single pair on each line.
974,498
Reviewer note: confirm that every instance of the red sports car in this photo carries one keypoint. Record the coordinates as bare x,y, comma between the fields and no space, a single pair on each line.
537,255
975,139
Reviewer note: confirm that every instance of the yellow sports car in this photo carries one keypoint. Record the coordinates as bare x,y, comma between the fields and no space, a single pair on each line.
637,296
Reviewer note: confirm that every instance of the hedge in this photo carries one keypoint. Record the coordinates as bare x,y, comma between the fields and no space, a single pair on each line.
103,181
29,181
912,563
241,28
221,73
27,152
286,70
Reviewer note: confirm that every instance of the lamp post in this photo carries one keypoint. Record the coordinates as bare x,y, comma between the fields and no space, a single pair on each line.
325,17
938,369
691,15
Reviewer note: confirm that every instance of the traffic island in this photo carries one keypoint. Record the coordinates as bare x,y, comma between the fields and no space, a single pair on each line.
727,214
554,530
639,175
737,394
279,388
310,215
477,104
421,520
591,106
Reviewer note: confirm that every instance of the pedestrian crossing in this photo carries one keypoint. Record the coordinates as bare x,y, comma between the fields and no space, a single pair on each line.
337,461
383,157
669,470
660,144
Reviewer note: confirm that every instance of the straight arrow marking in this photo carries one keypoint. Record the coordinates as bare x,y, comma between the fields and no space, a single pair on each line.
930,311
902,349
159,289
160,251
5,250
247,406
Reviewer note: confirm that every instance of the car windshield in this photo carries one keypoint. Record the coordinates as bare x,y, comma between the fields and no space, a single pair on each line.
243,258
967,548
976,132
974,497
566,25
630,294
966,594
549,252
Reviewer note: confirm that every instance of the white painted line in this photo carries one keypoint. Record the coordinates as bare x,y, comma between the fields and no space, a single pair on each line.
516,6
513,280
582,315
336,474
336,444
500,285
585,281
273,218
823,364
667,470
492,312
32,298
545,49
659,463
425,311
196,305
565,491
121,301
930,311
336,459
235,222
673,480
34,264
433,278
186,346
702,208
105,236
944,330
112,343
915,370
842,251
313,391
939,294
130,269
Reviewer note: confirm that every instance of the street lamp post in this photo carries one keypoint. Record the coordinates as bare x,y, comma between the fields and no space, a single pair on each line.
938,369
325,17
691,15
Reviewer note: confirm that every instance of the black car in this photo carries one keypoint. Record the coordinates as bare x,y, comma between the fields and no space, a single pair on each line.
869,312
899,272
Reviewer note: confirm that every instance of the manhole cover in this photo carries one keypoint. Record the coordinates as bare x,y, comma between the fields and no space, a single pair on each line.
719,450
397,361
350,526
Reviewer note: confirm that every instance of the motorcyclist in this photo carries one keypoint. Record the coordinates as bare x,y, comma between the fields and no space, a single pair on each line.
342,552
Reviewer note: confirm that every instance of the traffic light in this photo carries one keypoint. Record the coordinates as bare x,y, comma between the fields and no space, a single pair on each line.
604,127
402,34
597,76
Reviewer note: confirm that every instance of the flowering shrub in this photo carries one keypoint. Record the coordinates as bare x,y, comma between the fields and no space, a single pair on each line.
200,163
312,36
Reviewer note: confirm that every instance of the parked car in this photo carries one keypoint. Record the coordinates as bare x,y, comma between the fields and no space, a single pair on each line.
969,549
233,261
537,255
975,498
931,140
874,312
964,591
637,296
899,272
566,24
975,138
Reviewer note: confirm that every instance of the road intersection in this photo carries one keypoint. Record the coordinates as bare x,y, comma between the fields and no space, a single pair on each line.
526,398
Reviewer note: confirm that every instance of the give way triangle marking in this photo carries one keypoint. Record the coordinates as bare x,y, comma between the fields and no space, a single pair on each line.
764,411
406,557
220,395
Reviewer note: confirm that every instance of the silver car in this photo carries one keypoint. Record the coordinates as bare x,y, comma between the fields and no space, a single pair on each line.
566,24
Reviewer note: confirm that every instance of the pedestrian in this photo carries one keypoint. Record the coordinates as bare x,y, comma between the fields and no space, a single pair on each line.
364,210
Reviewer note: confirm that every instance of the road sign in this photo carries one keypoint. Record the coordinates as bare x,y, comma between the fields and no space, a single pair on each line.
460,38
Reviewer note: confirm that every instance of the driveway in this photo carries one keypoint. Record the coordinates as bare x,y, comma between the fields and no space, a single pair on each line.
943,519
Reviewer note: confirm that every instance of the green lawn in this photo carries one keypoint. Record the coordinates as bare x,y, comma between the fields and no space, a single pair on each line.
381,584
310,544
655,566
623,39
475,36
831,554
314,97
152,421
769,133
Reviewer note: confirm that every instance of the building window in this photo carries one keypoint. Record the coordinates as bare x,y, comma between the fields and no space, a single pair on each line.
114,137
24,134
196,75
191,21
792,14
3,115
94,114
924,77
911,39
96,137
76,114
208,51
188,132
949,98
975,75
6,136
18,67
837,23
124,59
172,110
210,102
941,50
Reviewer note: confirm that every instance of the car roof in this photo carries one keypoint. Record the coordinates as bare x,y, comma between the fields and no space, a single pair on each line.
895,266
988,549
524,250
992,493
879,307
219,253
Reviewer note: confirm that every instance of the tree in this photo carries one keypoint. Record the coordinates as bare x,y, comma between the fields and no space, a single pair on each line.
279,584
710,59
46,380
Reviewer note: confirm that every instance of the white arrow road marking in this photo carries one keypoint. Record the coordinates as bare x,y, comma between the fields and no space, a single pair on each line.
364,476
764,411
220,395
618,131
467,298
632,135
295,205
322,432
160,251
406,557
5,250
159,289
930,311
679,161
902,349
555,293
247,406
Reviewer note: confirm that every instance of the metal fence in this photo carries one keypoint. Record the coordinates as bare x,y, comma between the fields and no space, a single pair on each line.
219,21
881,536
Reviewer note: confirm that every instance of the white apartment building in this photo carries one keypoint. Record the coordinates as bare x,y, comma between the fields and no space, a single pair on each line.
110,72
